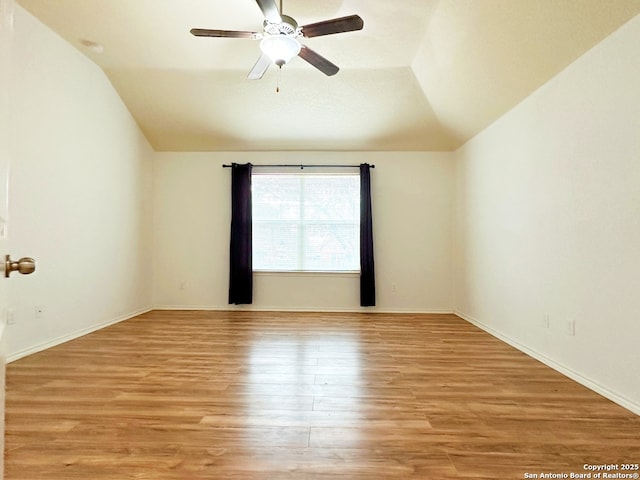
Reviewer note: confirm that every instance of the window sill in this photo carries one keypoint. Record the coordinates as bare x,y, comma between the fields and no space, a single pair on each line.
306,273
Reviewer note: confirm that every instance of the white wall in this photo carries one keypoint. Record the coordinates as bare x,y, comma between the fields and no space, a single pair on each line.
412,204
80,196
548,221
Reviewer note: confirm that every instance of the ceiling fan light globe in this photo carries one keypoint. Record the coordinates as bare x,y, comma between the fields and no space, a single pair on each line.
280,48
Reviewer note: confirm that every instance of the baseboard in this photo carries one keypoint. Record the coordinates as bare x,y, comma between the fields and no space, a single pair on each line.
563,369
248,308
72,336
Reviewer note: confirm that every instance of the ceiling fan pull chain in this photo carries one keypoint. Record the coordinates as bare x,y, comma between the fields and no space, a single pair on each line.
278,80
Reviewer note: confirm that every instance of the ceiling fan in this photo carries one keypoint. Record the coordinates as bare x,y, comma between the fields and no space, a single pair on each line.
279,38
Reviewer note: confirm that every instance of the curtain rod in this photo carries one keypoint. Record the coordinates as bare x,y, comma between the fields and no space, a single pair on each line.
301,167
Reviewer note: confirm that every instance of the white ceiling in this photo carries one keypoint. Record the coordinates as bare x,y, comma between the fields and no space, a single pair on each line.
421,75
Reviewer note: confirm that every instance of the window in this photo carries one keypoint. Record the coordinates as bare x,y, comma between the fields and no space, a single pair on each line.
306,222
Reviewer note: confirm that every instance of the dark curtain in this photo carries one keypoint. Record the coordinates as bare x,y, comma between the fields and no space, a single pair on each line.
240,261
367,276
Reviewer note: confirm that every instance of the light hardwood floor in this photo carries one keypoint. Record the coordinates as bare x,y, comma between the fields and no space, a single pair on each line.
217,395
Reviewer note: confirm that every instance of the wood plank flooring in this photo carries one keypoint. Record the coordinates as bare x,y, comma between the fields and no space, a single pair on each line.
238,395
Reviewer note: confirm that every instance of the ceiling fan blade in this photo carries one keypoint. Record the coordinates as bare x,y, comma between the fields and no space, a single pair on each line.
270,10
205,32
318,61
337,25
259,68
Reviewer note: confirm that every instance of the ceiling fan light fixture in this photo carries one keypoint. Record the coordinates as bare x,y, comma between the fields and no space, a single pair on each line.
280,48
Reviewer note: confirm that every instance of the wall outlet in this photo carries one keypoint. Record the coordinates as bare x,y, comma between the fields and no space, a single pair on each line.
11,316
545,320
570,327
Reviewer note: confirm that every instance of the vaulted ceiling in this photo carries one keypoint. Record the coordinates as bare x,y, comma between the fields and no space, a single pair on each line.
421,75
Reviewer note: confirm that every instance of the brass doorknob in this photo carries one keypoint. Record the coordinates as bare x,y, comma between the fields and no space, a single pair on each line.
25,265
